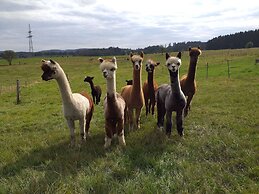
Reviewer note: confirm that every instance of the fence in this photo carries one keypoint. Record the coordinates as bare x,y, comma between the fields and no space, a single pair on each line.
16,88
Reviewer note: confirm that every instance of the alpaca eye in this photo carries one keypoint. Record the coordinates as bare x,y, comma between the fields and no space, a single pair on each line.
112,69
178,63
168,64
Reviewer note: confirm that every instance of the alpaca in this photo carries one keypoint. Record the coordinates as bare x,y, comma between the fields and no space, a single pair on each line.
75,106
96,90
188,83
114,104
150,87
171,98
129,82
133,94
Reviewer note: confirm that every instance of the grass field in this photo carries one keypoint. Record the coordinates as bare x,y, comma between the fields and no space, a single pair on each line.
219,153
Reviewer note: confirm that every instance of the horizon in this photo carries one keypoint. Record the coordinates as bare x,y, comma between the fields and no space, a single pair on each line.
94,24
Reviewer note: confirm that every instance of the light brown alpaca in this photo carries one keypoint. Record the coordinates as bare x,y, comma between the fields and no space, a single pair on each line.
114,104
150,87
133,94
188,83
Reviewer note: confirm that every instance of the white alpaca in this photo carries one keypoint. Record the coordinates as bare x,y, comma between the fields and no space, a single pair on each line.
75,106
114,104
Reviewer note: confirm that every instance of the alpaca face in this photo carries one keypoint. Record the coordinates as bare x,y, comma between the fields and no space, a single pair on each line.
150,66
108,67
194,52
49,69
137,61
173,63
88,79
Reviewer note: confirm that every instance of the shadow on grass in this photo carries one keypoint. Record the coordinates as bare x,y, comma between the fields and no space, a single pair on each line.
57,159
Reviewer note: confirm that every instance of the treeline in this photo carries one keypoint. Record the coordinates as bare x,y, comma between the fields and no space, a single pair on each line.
245,39
238,40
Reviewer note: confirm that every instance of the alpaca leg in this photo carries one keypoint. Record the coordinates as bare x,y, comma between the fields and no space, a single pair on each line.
130,118
146,104
120,132
82,124
98,99
153,107
93,98
168,123
71,125
188,105
109,133
149,106
87,123
179,122
160,115
138,111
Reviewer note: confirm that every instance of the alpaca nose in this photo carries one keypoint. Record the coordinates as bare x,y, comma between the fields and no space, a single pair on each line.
105,74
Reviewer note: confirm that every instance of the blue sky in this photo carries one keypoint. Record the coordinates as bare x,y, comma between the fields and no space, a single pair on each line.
70,24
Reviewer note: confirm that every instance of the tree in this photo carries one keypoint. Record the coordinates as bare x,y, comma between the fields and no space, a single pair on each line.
249,44
8,55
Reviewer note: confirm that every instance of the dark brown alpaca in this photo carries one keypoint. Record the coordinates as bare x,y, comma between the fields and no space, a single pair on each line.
96,91
150,86
188,83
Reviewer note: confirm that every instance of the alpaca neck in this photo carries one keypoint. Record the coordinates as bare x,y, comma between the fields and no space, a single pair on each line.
111,86
175,83
136,87
91,85
150,81
64,87
192,68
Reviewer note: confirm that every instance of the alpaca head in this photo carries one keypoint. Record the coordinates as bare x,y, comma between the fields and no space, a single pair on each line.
51,70
150,66
137,60
88,79
173,63
129,82
194,52
108,67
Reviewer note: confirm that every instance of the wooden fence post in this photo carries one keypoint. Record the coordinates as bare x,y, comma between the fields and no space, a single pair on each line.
228,69
207,70
18,90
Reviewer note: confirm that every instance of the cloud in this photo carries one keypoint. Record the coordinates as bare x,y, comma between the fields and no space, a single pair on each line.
65,24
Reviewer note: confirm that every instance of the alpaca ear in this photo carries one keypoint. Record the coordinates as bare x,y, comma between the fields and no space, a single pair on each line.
179,55
157,63
100,59
199,47
131,54
114,59
92,77
167,56
190,48
43,61
142,54
53,62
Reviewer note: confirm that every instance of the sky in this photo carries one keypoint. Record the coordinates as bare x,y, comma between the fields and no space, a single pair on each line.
72,24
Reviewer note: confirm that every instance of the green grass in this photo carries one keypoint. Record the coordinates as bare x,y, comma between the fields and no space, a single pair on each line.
219,153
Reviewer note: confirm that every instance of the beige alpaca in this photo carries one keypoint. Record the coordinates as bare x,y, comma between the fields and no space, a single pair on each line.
133,94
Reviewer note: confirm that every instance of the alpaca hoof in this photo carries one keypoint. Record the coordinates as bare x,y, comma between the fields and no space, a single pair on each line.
107,143
168,134
181,133
185,113
122,140
160,129
71,145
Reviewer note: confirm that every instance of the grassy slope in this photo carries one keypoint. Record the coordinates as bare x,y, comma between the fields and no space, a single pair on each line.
218,154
